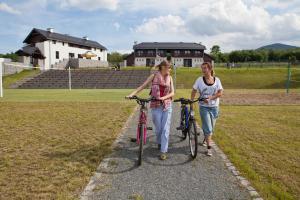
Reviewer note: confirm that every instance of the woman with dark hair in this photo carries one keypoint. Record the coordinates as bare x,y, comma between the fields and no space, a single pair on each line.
210,88
163,90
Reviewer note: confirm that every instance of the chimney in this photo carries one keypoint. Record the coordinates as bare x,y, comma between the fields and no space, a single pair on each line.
85,38
50,30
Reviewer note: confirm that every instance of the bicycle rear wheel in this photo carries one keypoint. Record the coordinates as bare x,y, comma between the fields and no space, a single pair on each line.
193,138
141,143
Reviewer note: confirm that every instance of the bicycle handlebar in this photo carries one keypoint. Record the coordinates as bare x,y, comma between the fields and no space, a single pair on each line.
143,100
188,101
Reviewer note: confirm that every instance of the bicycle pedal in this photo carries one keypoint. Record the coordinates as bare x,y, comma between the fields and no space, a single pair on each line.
149,128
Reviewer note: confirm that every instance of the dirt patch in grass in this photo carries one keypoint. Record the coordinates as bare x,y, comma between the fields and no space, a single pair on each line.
240,98
50,150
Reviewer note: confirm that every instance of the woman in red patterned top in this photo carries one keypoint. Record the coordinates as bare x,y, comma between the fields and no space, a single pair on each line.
162,89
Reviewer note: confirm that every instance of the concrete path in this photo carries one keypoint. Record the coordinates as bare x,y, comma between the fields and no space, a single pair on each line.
179,177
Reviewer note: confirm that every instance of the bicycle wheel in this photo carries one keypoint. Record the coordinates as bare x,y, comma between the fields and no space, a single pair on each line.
193,138
183,124
141,140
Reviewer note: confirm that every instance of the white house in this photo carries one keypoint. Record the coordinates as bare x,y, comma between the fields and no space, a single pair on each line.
48,49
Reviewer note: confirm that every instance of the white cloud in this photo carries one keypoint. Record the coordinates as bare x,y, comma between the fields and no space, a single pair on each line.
116,25
162,24
232,23
6,8
89,5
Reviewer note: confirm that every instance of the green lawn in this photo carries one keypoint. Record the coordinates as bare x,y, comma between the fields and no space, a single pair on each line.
81,95
9,79
49,150
242,78
263,142
52,146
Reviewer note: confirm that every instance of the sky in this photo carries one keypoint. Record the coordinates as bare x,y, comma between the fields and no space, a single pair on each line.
117,24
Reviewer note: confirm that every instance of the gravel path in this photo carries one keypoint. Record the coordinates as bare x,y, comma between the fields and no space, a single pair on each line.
179,177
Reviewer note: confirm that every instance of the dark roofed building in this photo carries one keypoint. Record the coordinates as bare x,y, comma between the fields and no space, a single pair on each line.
186,54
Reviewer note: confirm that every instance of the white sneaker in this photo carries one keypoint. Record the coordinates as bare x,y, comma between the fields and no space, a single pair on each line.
209,152
204,143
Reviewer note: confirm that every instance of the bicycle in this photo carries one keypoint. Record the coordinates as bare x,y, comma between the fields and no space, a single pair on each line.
188,123
141,134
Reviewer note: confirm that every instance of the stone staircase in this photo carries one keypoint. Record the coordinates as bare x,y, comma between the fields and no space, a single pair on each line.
22,81
87,78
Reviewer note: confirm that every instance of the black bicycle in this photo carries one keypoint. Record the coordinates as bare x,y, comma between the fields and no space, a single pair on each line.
188,123
141,134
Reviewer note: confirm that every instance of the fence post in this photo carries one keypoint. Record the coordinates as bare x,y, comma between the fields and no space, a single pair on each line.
1,81
288,78
70,81
174,75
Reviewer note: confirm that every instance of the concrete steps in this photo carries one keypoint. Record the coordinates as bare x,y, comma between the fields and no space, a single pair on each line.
87,78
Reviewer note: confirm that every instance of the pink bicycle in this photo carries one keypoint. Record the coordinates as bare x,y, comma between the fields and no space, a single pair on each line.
141,133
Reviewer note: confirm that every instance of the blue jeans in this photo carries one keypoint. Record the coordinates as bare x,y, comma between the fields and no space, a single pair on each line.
162,121
209,117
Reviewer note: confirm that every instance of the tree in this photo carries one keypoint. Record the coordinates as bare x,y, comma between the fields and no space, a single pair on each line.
114,57
216,53
215,49
12,56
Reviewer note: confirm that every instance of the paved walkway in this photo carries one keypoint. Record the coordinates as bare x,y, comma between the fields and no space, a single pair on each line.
179,177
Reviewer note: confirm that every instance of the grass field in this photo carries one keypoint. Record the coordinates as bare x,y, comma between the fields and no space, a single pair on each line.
53,140
242,78
263,142
49,150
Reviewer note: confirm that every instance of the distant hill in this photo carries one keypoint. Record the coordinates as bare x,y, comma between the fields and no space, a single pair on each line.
277,46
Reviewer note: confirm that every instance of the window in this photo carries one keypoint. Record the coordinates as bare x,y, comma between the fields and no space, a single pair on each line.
177,52
57,54
187,52
80,56
139,53
151,52
63,44
160,52
100,50
53,41
31,60
99,58
198,52
71,55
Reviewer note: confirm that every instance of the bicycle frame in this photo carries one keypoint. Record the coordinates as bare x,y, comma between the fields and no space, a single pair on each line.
188,115
142,120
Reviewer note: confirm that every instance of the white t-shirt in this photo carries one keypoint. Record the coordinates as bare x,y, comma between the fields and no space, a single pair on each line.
206,90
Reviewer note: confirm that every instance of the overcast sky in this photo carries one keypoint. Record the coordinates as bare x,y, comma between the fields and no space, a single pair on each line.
116,24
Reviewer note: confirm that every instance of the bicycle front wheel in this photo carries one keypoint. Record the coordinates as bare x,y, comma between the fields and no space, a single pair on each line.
141,143
183,124
193,138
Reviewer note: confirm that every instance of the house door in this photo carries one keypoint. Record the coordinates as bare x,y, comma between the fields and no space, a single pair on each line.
150,62
35,62
187,62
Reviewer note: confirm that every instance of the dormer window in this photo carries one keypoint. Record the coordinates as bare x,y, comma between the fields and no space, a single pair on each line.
177,52
140,53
